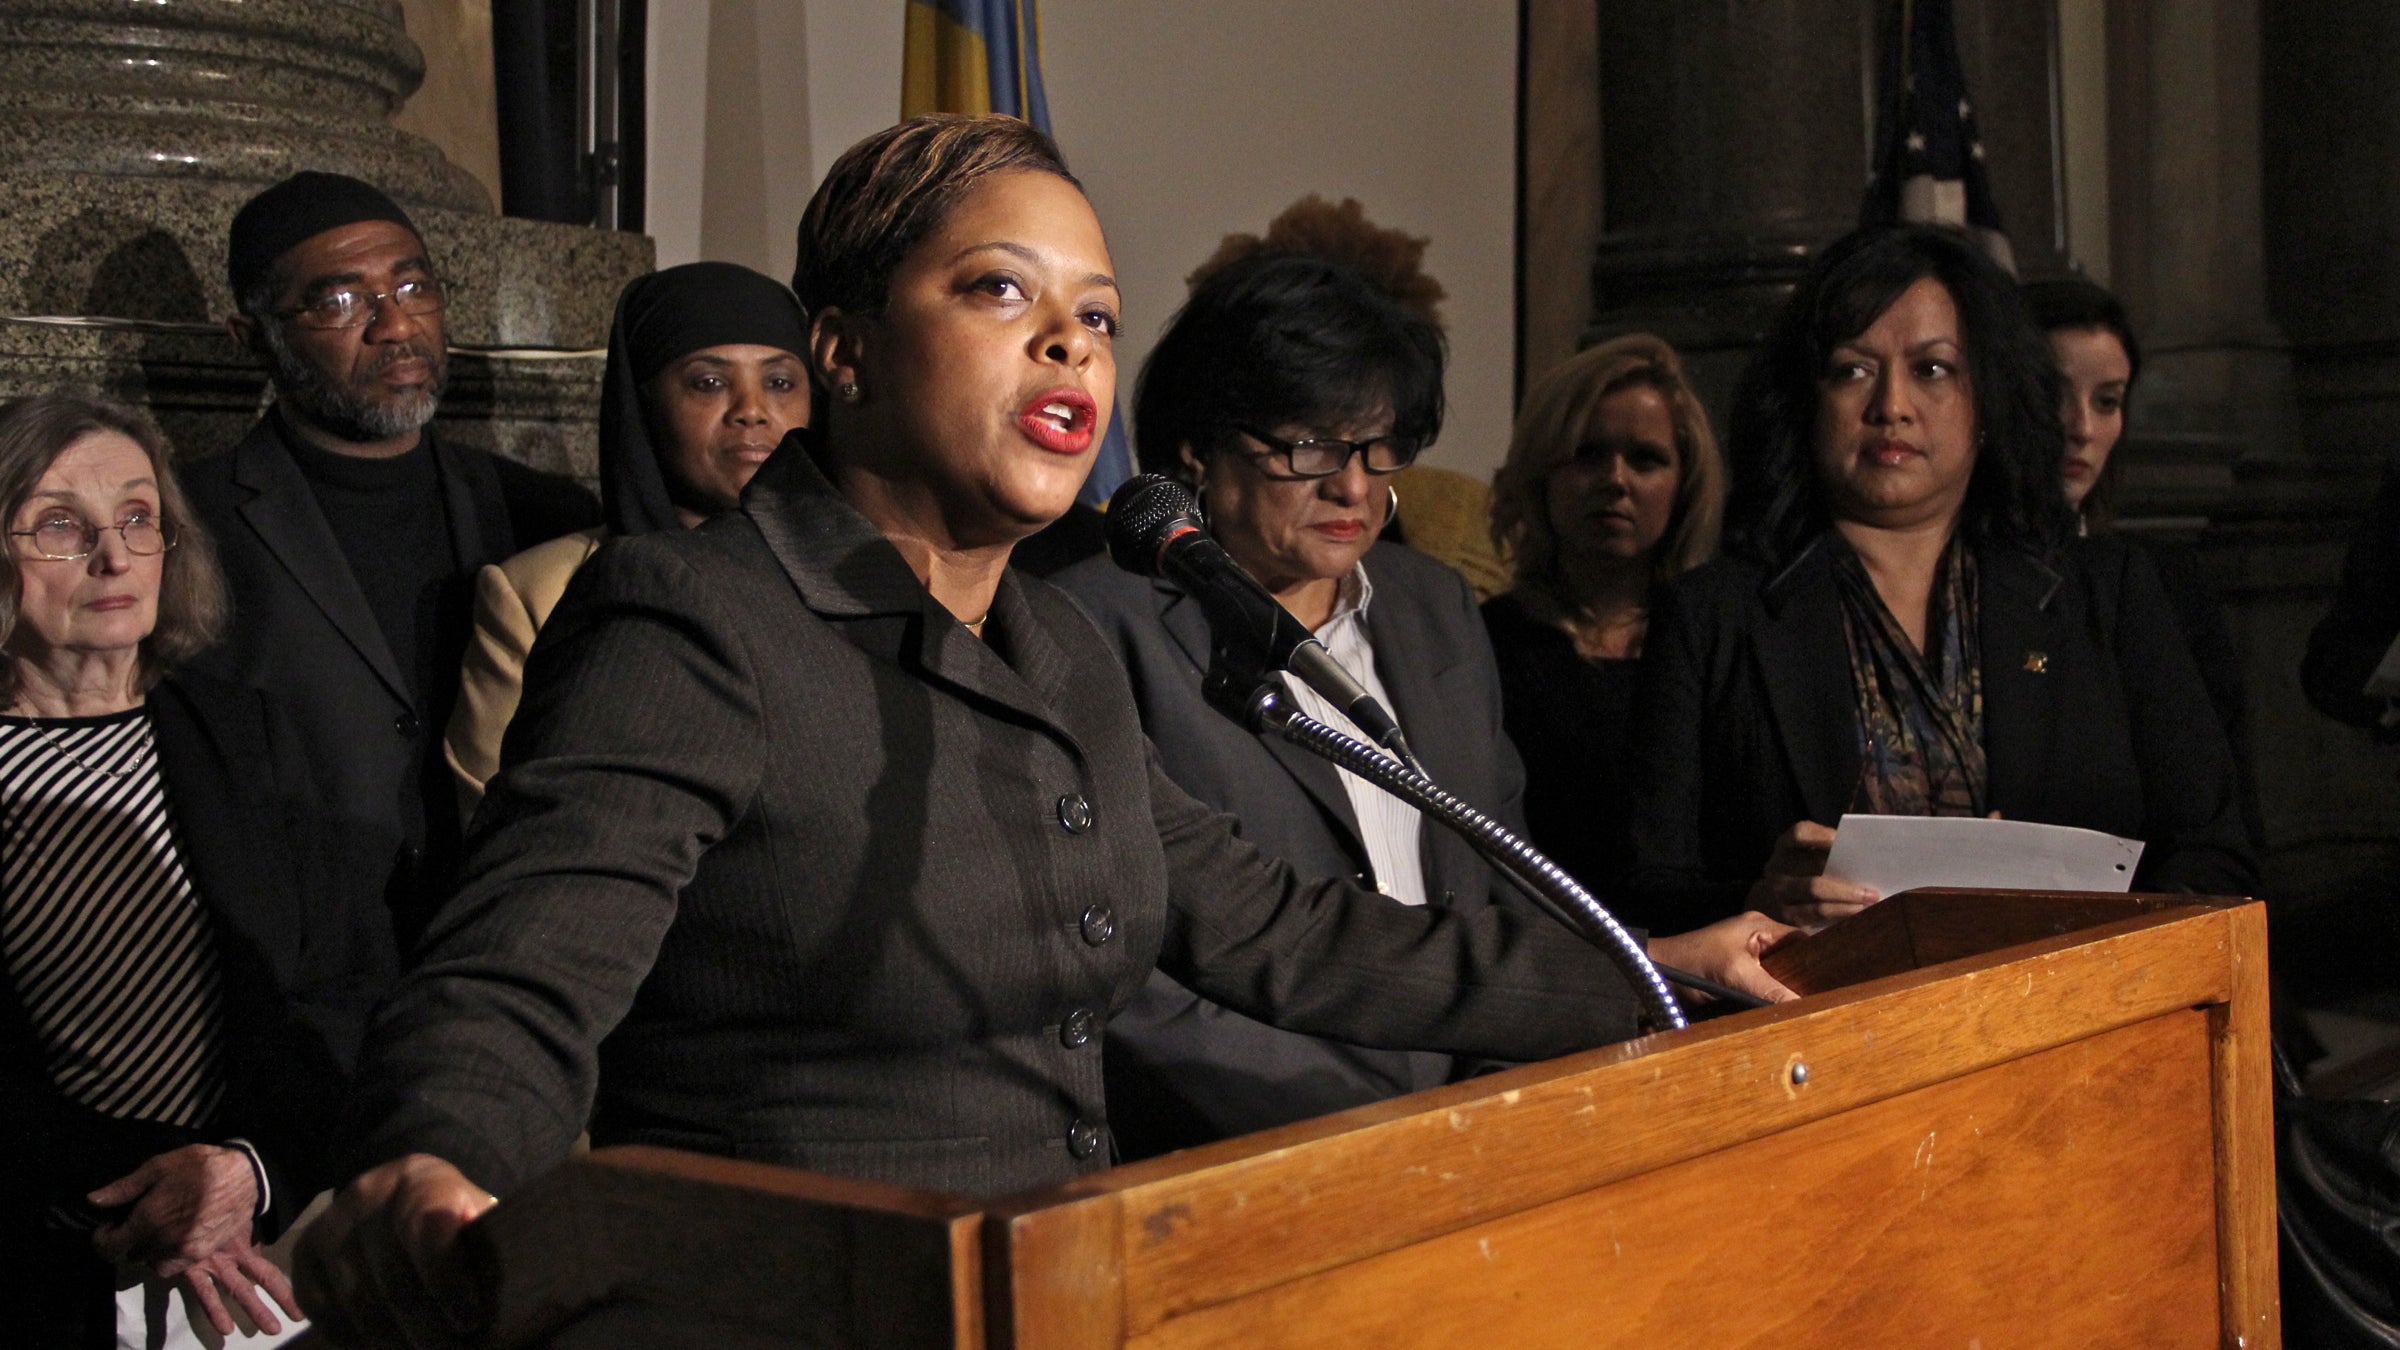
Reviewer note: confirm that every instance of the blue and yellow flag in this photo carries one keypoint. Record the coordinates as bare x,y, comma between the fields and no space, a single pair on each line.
985,56
973,56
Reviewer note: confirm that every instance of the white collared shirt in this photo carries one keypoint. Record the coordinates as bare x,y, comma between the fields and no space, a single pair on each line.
1391,829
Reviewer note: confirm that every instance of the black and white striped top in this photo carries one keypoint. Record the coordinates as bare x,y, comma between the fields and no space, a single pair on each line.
105,943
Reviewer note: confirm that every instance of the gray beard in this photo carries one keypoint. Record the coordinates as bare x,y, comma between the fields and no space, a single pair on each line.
342,412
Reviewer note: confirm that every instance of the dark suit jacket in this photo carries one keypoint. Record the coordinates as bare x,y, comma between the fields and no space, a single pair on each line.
2093,716
781,863
1181,1069
302,631
304,949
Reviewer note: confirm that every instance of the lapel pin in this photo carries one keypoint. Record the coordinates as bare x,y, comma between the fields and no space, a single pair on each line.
2037,663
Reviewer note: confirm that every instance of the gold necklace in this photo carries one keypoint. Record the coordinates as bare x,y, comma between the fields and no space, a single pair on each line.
87,766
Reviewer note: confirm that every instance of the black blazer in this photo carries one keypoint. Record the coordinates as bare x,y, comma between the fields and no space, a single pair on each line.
304,949
302,631
782,864
2093,716
1181,1069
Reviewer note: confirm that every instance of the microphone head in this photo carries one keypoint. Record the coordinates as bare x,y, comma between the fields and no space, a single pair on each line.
1143,515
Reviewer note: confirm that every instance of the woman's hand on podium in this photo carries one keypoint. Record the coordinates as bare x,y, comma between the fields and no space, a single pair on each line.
380,1268
1795,888
1727,951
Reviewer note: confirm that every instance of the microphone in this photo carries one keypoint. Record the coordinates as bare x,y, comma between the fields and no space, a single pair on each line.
1155,530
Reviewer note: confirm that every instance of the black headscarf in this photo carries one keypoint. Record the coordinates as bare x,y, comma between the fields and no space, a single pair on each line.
661,318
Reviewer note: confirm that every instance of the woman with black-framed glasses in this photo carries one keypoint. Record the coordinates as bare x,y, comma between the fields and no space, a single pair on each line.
1286,393
188,965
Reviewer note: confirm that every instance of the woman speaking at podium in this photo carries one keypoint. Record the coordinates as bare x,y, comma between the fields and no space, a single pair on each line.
821,838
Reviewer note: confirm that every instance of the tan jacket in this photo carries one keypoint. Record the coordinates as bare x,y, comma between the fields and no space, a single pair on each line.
513,600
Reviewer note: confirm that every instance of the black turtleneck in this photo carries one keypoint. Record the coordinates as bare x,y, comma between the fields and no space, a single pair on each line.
388,516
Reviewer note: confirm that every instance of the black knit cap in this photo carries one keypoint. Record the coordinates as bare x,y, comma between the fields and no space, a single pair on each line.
295,211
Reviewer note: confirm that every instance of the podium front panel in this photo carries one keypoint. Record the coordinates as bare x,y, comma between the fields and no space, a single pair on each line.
2065,1143
1974,1208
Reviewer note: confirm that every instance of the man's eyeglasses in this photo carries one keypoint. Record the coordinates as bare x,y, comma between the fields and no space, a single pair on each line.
355,306
1317,457
66,539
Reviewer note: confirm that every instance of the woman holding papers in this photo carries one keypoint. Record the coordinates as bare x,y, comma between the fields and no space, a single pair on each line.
2099,362
1907,623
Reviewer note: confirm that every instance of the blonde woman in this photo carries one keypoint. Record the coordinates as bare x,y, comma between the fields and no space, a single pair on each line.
1613,484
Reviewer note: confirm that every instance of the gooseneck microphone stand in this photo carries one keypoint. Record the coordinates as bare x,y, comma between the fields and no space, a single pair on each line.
1255,702
1155,529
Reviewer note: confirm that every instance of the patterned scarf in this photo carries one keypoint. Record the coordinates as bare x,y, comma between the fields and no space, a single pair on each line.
1920,715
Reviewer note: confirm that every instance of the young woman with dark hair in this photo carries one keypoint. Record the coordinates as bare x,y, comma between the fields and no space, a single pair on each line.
2099,362
1908,624
2099,359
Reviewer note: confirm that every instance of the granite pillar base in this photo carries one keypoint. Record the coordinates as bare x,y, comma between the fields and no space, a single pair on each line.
155,257
134,132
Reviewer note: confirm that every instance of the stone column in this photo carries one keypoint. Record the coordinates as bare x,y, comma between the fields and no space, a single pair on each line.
1735,143
2331,131
2215,399
135,131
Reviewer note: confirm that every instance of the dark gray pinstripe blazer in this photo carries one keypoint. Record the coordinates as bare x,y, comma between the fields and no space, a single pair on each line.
1183,1070
775,868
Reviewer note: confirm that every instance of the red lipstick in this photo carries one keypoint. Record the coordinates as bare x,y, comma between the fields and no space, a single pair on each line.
1059,420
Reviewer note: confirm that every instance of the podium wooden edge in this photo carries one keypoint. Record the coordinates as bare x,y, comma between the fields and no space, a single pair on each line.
1917,929
1127,1233
2240,1032
585,1239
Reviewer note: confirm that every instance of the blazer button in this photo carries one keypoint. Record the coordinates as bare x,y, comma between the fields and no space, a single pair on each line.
407,725
1075,813
1083,1139
1077,1030
1099,924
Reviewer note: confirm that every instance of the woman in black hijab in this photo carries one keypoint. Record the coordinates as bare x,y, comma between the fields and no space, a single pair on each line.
705,375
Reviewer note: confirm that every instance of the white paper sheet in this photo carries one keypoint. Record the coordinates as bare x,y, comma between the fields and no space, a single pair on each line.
1903,853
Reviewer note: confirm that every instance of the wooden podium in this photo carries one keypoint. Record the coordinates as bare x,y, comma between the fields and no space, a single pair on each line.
1996,1141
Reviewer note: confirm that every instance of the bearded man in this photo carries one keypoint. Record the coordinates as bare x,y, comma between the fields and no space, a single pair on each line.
350,532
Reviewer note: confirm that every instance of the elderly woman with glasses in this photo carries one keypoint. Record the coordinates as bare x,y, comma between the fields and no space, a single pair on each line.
187,977
1286,393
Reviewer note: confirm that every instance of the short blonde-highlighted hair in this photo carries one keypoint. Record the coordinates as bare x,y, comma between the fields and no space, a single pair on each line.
891,190
192,607
1558,414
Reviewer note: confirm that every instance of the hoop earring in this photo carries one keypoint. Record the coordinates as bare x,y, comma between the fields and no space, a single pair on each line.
1391,513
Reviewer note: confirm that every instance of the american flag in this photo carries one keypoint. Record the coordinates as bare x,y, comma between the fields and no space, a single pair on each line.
1929,165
